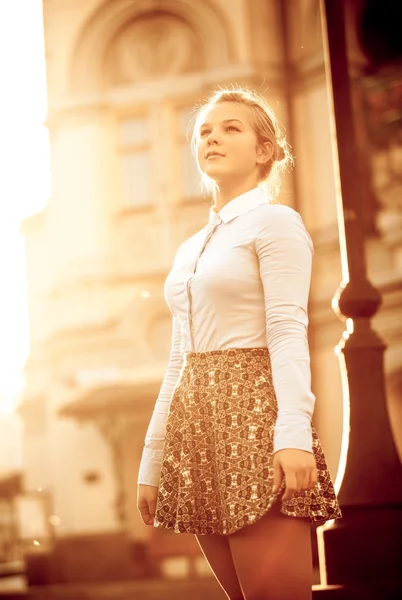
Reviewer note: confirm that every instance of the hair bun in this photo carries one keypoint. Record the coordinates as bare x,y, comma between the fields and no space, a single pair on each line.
280,153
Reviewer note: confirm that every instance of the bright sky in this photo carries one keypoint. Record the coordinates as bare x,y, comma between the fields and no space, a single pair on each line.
24,174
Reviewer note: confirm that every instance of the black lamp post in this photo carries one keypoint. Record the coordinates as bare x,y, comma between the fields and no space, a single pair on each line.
364,549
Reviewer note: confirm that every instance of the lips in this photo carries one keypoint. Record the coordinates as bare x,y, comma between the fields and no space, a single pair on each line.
208,154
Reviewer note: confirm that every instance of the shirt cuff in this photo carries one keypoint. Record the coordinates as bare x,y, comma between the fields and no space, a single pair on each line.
150,467
293,430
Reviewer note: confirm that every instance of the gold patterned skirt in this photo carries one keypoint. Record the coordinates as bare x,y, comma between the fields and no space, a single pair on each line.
217,469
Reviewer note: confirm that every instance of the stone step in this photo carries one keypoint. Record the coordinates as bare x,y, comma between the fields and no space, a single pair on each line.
201,589
197,589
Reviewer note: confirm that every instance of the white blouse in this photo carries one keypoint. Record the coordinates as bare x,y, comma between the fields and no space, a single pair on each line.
242,282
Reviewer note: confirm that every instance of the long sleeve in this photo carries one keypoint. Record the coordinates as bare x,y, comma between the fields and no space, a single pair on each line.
151,462
285,250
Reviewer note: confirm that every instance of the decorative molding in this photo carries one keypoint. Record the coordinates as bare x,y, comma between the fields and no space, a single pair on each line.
104,401
307,73
108,335
137,96
99,35
152,46
82,110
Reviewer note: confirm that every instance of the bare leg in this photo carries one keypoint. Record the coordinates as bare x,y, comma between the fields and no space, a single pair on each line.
217,553
273,558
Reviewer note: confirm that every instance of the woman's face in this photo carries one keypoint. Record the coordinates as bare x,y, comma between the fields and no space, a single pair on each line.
228,146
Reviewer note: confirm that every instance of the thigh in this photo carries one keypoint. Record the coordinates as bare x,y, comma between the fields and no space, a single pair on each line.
217,553
273,557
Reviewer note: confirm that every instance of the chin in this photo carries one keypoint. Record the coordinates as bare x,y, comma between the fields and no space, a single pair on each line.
216,173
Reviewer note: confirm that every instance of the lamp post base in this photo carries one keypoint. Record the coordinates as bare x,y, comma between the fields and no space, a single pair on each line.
383,591
363,549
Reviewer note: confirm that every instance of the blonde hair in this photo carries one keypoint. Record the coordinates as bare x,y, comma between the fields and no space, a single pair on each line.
266,127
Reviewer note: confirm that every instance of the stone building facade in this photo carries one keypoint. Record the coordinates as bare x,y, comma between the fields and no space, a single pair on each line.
123,76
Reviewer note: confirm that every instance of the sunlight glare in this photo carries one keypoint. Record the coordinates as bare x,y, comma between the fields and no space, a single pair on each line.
25,181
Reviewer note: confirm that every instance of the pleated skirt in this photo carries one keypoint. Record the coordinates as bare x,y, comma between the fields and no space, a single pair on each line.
217,468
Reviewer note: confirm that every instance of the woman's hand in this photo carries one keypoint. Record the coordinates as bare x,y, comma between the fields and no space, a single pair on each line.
299,469
146,502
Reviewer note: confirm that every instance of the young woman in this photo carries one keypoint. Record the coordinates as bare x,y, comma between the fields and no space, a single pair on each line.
231,454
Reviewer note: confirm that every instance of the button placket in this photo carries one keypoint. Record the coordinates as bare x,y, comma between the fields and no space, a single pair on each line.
188,285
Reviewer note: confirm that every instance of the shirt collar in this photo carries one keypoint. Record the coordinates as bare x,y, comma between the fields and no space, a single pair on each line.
239,205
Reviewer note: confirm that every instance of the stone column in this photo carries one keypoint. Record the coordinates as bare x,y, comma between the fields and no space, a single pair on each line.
83,199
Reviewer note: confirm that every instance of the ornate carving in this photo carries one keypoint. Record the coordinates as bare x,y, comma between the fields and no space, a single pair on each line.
187,35
153,45
383,118
113,428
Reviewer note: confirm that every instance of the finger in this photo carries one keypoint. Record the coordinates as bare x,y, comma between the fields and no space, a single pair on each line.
291,485
148,518
145,512
278,476
303,478
313,478
152,508
305,481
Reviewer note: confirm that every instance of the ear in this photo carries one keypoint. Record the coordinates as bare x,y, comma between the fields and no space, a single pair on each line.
265,153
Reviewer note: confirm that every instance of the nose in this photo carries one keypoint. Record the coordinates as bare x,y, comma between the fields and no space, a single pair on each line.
213,138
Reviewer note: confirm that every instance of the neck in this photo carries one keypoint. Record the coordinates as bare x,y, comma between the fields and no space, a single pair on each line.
227,191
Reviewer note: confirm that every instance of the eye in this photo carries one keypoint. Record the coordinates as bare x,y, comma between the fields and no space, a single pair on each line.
204,132
232,127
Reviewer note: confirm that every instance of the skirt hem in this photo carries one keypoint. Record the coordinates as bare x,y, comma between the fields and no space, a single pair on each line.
203,529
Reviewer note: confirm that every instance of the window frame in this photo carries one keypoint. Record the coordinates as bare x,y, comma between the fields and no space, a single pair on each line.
180,138
125,149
